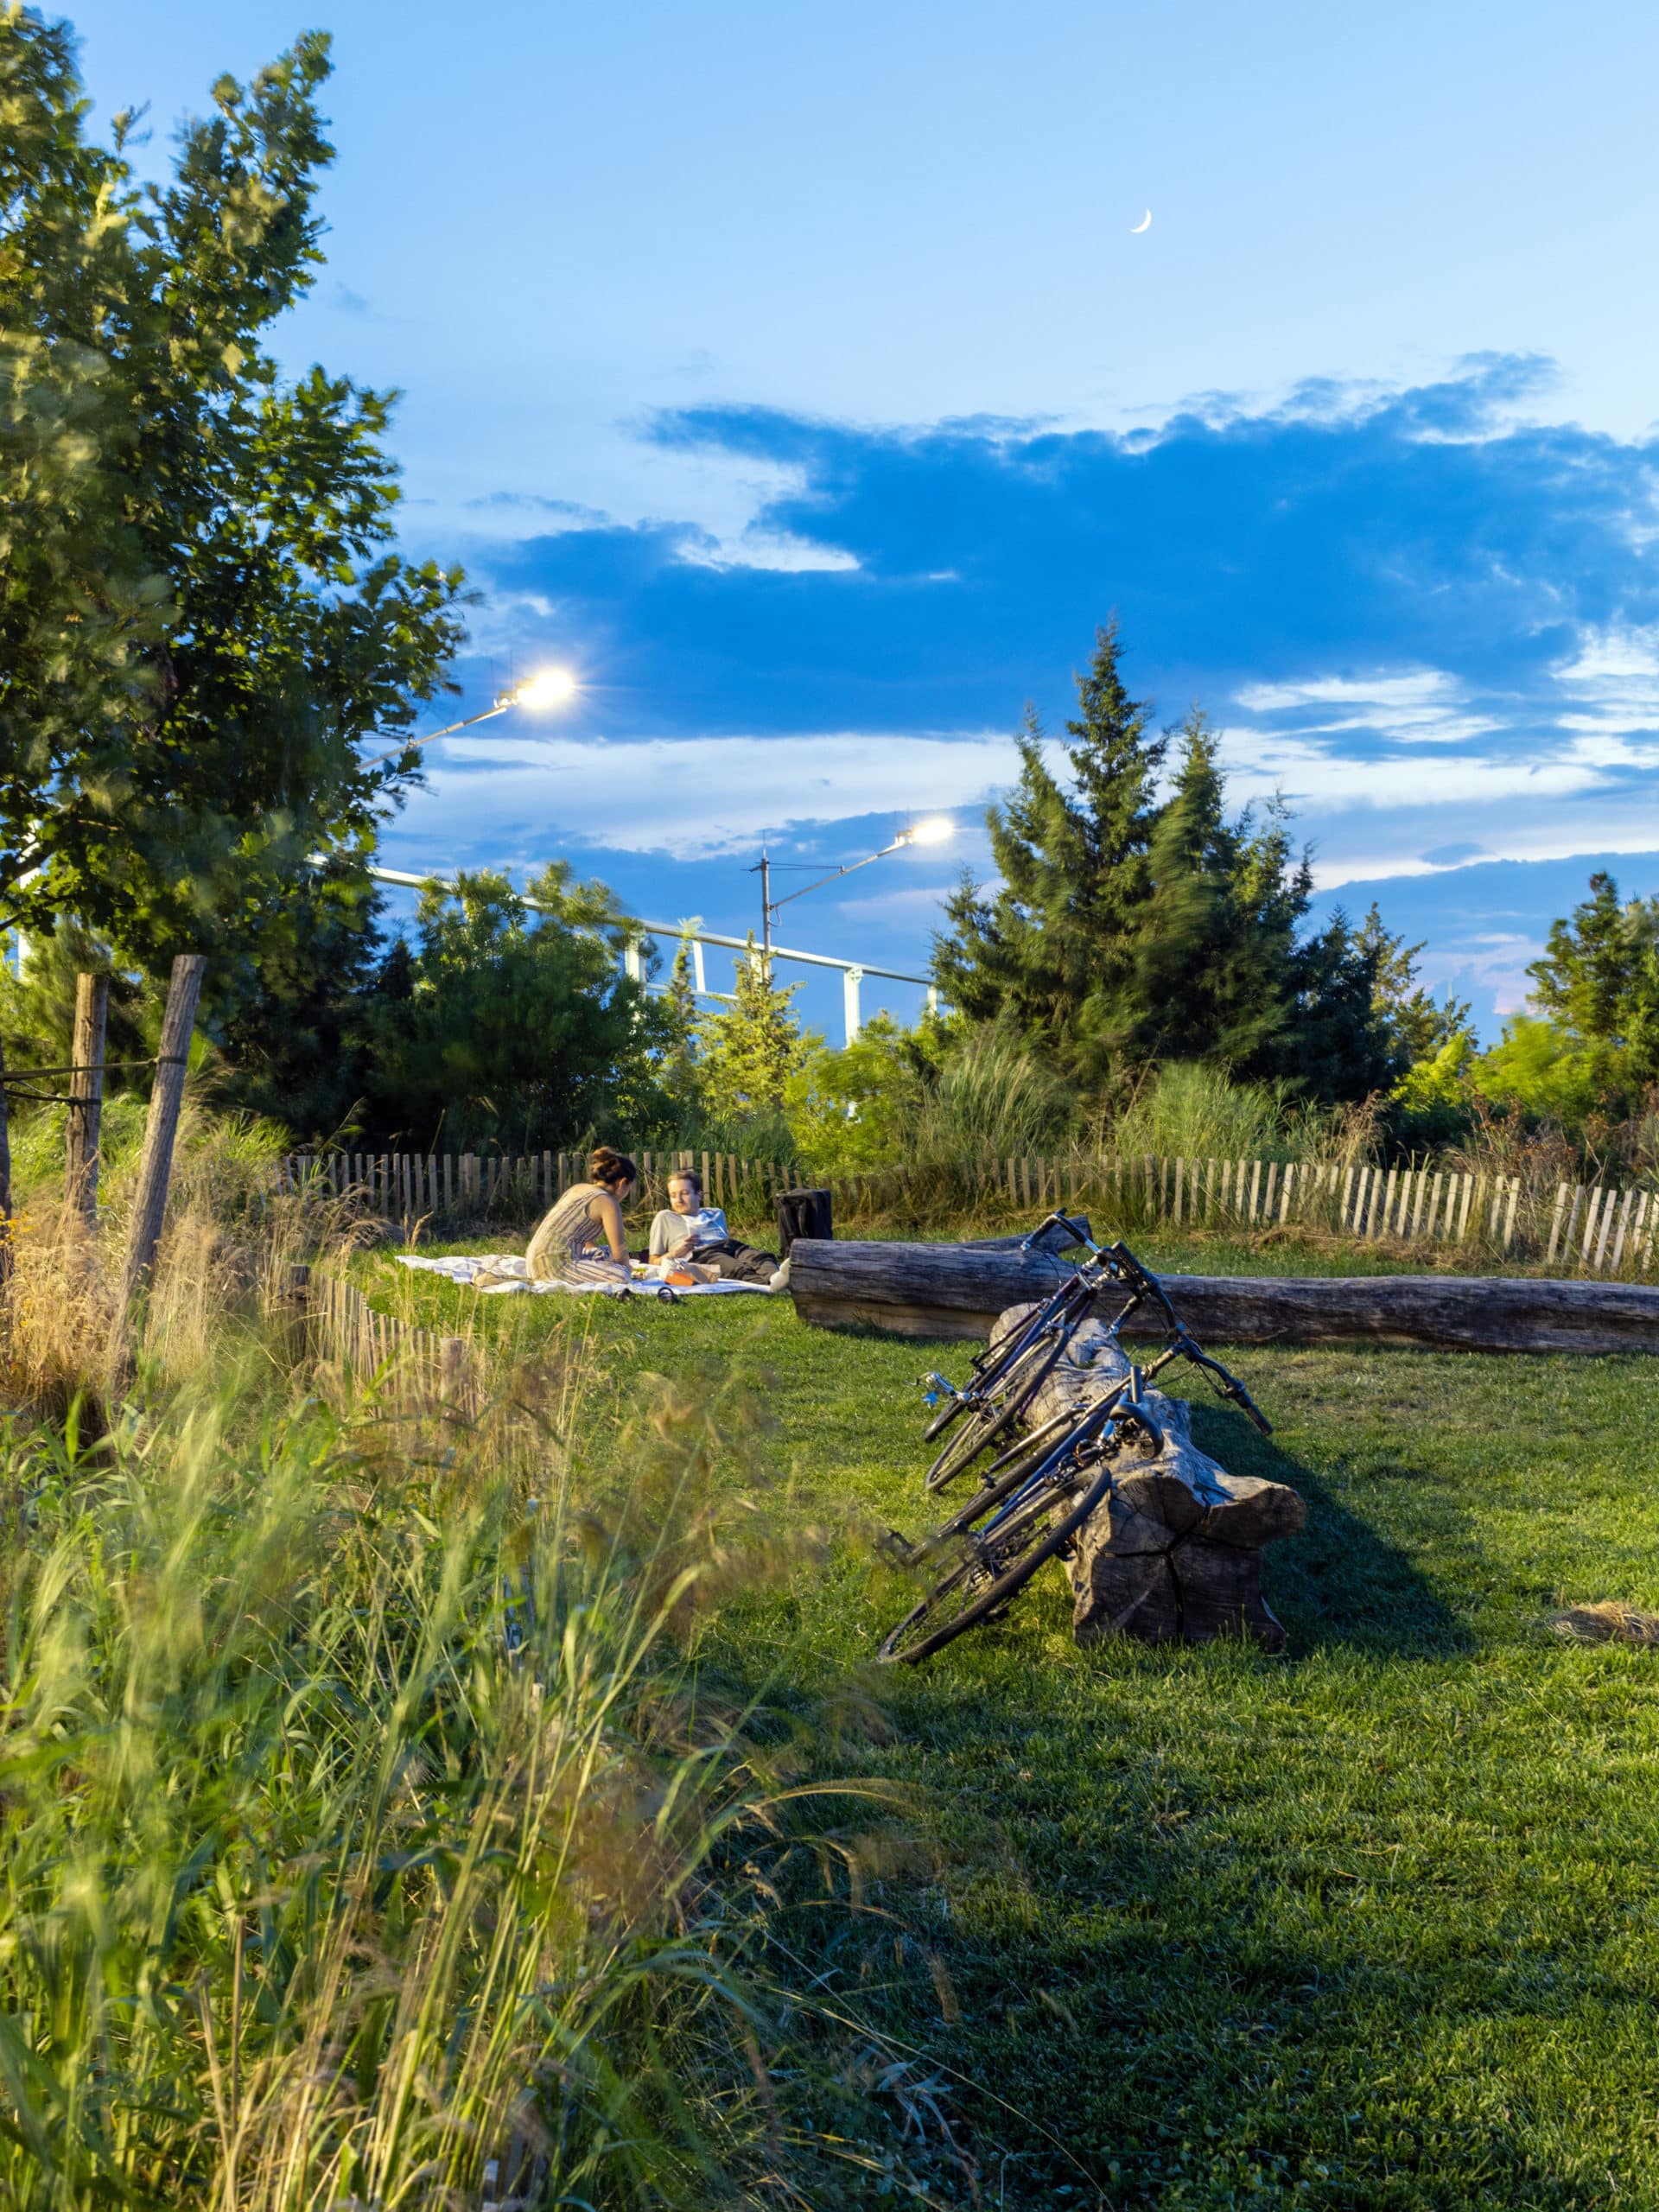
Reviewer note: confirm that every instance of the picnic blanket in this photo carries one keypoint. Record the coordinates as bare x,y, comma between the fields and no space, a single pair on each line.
467,1267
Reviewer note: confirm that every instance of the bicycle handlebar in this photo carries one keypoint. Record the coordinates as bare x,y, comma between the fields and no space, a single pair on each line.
1121,1266
1223,1383
1079,1232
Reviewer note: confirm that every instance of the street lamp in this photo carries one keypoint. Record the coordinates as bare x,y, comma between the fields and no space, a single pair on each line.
548,687
933,832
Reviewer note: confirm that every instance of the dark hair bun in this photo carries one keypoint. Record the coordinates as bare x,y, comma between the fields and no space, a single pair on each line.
610,1167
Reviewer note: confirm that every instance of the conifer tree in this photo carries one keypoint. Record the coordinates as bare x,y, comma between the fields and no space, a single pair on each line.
1599,977
1053,953
1129,928
748,1051
677,1069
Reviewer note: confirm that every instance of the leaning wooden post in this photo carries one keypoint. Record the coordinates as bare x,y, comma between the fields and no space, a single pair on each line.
6,1255
155,1167
87,1093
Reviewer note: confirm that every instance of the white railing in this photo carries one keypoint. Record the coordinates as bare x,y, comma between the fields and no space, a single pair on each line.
853,972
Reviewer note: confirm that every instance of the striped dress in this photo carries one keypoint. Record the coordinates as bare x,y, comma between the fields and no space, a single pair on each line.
569,1246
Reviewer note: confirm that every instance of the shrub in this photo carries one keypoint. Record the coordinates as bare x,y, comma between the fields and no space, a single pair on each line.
1189,1111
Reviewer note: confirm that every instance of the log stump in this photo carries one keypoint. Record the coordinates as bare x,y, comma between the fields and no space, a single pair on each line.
1175,1554
958,1290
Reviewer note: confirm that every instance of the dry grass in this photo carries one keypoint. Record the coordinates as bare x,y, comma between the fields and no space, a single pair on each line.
1606,1622
374,1826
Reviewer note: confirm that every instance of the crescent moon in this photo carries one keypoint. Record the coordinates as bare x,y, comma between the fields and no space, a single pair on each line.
1145,224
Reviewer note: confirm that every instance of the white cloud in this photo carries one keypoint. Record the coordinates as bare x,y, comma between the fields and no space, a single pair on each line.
1317,775
697,797
1425,707
1615,655
1420,689
758,549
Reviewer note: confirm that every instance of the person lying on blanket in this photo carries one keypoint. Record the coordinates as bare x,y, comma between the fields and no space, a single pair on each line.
688,1229
571,1239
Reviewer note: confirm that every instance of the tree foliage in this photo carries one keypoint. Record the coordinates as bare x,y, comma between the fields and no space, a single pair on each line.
1131,928
199,616
1599,979
506,1021
747,1052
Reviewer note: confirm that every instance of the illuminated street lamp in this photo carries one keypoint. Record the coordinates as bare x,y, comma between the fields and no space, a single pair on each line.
548,687
933,832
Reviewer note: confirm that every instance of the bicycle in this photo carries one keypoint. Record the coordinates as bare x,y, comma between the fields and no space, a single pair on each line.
1004,1381
1035,1498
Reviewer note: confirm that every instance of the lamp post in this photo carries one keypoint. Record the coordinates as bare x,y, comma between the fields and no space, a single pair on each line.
549,687
933,832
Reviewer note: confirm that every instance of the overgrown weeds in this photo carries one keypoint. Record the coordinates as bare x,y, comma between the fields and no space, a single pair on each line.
377,1829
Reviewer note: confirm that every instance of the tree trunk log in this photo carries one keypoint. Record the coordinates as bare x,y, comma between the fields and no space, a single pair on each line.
958,1290
1175,1554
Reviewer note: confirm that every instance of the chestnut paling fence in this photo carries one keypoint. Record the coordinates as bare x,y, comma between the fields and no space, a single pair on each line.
414,1369
1597,1227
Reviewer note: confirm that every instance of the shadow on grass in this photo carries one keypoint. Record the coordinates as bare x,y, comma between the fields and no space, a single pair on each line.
1339,1583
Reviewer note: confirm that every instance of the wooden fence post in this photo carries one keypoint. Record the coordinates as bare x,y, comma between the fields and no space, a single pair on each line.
87,1093
6,1255
155,1166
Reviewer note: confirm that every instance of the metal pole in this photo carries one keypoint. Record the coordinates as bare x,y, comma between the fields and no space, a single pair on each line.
851,978
766,907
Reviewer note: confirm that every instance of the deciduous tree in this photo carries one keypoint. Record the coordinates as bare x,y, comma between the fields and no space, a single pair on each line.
200,612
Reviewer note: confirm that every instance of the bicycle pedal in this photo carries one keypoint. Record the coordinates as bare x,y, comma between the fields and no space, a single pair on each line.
896,1549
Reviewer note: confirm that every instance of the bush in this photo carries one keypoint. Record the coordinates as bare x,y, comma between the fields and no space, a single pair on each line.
856,1109
1189,1111
1545,1071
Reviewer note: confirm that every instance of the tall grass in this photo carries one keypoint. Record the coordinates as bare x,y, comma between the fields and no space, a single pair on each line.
375,1830
372,1835
994,1098
1187,1111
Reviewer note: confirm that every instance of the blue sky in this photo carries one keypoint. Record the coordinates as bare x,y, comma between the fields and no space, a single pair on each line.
795,376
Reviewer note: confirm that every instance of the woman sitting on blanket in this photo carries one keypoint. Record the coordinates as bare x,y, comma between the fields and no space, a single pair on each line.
570,1244
689,1230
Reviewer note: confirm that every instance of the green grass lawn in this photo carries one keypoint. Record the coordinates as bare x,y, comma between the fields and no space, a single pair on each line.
1375,1924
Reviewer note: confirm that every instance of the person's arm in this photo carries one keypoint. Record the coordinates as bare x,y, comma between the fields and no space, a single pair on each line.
608,1215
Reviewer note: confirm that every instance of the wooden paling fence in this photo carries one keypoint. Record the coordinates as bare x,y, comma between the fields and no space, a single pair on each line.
1597,1227
1572,1228
417,1369
407,1186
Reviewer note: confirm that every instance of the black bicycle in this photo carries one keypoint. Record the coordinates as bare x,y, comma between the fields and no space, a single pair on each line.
992,1548
1035,1498
1005,1380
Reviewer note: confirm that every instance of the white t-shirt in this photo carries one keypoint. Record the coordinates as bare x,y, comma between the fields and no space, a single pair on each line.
706,1226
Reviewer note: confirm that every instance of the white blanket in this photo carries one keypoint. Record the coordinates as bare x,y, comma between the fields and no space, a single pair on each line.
467,1267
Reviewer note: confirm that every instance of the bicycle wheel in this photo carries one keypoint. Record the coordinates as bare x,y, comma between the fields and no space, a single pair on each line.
997,1569
950,1411
1068,1432
985,1369
1015,1391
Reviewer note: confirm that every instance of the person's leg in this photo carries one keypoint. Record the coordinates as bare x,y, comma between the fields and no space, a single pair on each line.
593,1267
741,1262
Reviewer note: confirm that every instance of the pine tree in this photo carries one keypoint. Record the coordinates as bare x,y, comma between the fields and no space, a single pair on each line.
1053,951
748,1051
1191,969
1129,930
1421,1025
1599,978
677,1069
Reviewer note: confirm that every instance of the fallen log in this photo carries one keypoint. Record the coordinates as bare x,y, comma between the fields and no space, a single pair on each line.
958,1290
1174,1554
